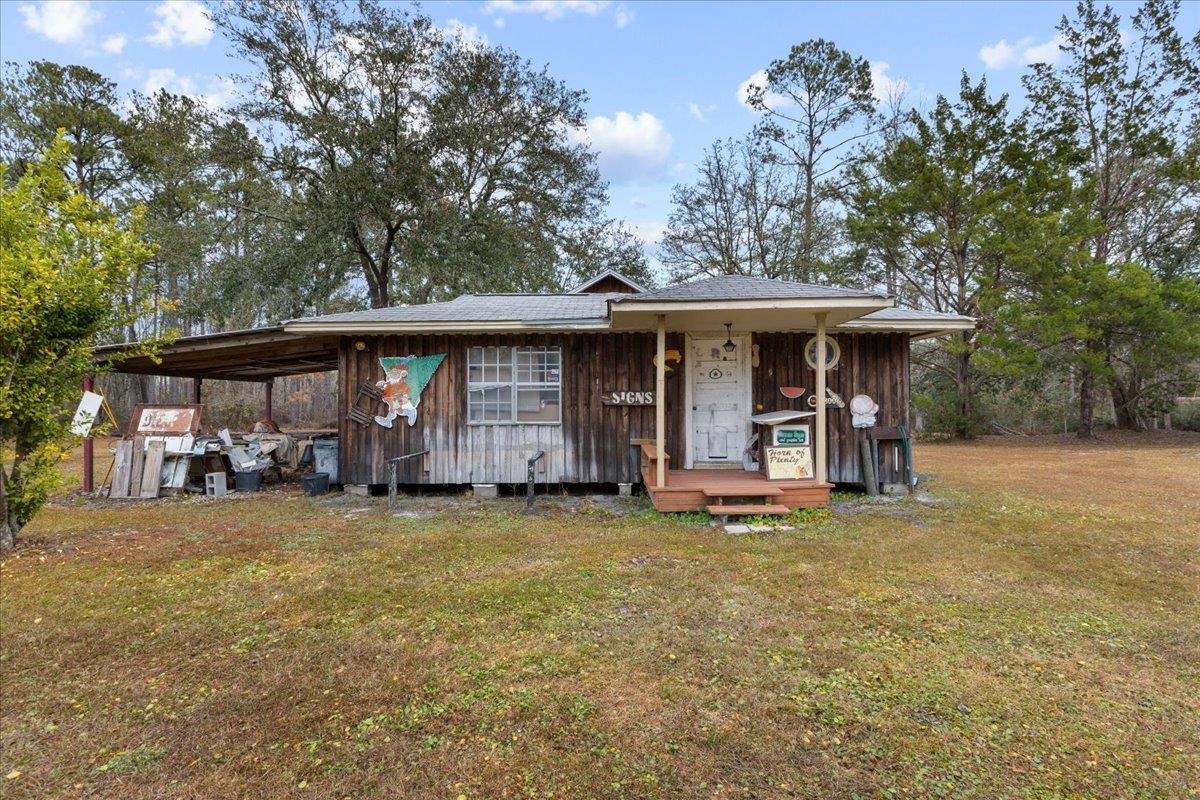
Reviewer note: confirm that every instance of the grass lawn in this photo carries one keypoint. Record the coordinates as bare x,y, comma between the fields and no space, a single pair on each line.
1035,633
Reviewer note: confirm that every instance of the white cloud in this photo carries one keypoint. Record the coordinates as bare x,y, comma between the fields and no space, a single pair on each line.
648,233
884,86
701,112
180,22
638,202
217,92
114,44
1044,53
552,10
773,100
1003,55
469,34
167,78
62,21
629,146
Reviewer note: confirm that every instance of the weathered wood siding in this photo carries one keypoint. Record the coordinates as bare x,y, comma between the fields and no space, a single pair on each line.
875,364
592,443
590,446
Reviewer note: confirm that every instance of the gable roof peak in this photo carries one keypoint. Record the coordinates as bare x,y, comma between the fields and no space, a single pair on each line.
607,275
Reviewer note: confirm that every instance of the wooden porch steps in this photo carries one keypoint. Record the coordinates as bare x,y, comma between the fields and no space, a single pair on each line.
724,510
760,490
697,489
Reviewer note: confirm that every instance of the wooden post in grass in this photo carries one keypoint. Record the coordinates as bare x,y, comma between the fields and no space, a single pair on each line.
89,478
870,481
269,397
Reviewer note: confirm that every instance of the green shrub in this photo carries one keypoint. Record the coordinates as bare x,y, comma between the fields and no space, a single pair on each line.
1186,415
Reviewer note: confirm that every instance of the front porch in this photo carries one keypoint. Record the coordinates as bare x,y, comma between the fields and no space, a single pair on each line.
727,492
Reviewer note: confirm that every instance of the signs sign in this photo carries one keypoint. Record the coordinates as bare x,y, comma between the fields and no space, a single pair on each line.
788,463
623,397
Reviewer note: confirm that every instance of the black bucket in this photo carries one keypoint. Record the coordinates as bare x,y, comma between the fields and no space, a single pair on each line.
247,481
315,484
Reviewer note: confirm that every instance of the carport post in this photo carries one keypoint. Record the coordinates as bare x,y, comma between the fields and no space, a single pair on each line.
197,382
268,400
88,445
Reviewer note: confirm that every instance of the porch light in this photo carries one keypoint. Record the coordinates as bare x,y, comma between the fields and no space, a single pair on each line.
729,345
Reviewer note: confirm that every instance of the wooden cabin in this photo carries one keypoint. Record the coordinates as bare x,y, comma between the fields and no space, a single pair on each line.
612,383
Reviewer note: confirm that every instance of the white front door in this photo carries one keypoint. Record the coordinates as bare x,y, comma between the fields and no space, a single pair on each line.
720,400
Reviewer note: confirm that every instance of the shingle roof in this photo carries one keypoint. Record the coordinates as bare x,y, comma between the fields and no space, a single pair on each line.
911,315
544,308
742,287
577,309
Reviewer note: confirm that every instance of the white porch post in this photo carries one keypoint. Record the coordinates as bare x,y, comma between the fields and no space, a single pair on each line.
819,434
660,404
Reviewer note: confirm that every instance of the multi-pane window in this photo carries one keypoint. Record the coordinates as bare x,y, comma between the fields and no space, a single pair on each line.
514,384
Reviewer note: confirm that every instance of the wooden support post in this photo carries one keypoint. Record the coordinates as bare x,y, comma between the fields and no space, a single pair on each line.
196,383
269,399
89,478
820,433
660,404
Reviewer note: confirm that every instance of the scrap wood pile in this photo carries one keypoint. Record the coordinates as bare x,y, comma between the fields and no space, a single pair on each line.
163,453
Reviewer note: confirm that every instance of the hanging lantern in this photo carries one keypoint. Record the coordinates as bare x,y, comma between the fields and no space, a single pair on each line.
729,345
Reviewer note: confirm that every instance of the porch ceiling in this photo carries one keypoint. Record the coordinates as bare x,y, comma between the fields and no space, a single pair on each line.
746,316
259,354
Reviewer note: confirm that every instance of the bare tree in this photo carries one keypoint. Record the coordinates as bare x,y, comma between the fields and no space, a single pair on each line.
738,218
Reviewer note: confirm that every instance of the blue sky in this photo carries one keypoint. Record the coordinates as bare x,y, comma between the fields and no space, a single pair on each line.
662,78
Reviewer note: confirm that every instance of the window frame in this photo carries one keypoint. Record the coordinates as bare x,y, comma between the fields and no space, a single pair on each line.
514,384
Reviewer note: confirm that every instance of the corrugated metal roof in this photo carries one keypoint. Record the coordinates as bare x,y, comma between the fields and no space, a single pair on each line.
742,287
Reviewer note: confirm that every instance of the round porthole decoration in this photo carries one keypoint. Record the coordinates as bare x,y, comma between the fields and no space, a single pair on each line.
833,352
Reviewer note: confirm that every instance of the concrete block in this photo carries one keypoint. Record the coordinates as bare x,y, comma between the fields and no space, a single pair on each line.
737,528
485,491
359,489
215,484
625,490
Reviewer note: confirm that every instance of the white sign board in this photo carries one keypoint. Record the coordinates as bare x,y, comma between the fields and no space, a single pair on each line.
86,414
789,463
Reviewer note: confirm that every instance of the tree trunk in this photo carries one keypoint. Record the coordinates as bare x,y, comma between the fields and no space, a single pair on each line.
962,386
8,528
1124,397
1087,404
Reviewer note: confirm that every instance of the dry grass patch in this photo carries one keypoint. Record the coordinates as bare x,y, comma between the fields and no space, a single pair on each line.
1034,636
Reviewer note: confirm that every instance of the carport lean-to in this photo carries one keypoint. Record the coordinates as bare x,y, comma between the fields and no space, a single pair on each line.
258,355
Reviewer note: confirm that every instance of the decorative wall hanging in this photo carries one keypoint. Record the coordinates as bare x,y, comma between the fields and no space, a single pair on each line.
832,399
365,404
792,392
864,410
754,355
405,377
670,357
833,352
